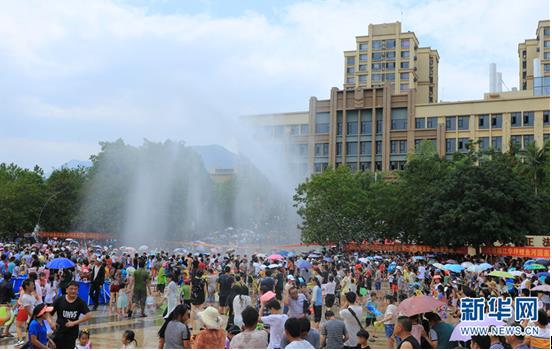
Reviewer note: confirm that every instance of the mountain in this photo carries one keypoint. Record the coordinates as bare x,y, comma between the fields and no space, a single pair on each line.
216,157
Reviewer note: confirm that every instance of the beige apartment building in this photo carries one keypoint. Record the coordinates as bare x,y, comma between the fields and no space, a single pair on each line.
534,60
373,125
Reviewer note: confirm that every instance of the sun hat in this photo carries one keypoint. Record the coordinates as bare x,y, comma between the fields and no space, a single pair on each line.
210,317
291,277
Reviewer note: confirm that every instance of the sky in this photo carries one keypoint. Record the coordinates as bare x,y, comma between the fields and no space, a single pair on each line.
73,73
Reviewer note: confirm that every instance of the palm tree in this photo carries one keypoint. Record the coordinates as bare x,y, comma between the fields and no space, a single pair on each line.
536,163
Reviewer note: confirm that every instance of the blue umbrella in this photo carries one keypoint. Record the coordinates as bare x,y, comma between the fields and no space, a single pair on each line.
456,268
302,264
543,261
484,266
328,259
284,253
418,258
543,274
528,262
60,263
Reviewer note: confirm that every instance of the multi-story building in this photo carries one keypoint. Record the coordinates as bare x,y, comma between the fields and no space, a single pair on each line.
369,126
388,55
534,61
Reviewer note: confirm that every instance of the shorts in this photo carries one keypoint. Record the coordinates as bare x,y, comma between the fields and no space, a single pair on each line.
330,300
114,288
139,298
22,315
378,286
4,313
198,301
370,321
389,329
223,299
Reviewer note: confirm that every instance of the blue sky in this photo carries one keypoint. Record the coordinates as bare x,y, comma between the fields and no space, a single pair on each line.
77,72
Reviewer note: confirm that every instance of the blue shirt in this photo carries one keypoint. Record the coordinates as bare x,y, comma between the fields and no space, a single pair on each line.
39,329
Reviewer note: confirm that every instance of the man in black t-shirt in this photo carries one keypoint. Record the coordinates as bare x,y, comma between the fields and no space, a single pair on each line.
68,308
225,282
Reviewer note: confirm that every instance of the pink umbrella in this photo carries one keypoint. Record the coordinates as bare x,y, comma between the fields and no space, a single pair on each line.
486,322
419,304
276,257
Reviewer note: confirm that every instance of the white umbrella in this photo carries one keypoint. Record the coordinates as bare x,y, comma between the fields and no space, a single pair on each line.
543,288
274,265
143,248
466,264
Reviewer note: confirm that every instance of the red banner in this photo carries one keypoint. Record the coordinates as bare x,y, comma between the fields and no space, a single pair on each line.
396,247
517,251
76,235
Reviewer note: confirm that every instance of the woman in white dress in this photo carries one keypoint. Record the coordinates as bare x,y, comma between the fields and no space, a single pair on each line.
239,303
171,295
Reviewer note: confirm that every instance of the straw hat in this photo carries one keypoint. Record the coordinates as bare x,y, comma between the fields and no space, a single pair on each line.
211,318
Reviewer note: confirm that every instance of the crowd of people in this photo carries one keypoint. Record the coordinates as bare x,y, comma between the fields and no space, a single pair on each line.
318,299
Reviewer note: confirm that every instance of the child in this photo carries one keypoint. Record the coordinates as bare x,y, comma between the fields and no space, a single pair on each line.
362,339
233,331
83,342
122,300
38,337
129,340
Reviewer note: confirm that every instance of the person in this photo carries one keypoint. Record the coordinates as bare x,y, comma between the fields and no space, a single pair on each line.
316,300
240,301
198,293
293,335
403,329
439,332
517,341
389,319
38,336
213,336
295,302
96,285
230,333
84,340
250,338
129,340
27,302
329,291
351,315
333,333
170,294
224,282
542,339
480,342
175,334
362,339
122,300
68,309
371,315
275,320
141,288
310,334
6,296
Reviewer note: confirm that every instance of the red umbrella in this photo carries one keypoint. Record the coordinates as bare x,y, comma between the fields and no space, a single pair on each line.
419,304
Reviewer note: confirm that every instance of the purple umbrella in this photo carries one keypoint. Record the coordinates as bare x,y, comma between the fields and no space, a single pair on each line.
486,322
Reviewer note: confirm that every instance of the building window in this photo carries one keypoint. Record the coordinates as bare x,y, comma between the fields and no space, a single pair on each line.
376,44
483,122
398,147
420,123
390,65
365,166
351,148
390,55
404,75
450,123
405,43
376,66
463,144
546,30
294,130
524,64
350,80
547,43
376,56
405,54
363,57
396,165
339,126
363,46
450,145
352,166
547,67
405,64
546,55
484,143
338,149
352,122
322,123
390,44
366,122
320,166
362,68
528,140
528,119
379,121
399,118
463,122
515,119
350,60
497,143
402,146
404,87
431,122
365,147
377,77
496,121
350,70
363,78
515,140
546,118
321,149
390,76
378,147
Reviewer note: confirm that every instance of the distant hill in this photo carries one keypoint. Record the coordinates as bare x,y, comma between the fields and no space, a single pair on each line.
216,157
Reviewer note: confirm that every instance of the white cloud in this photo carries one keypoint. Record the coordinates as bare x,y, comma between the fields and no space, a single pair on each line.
101,63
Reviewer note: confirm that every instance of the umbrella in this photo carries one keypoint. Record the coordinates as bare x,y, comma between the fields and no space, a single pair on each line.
501,274
543,261
328,259
534,266
60,263
418,258
273,265
516,273
275,257
291,254
361,259
304,264
451,261
545,288
143,248
484,266
486,322
466,264
543,274
528,262
419,304
283,252
440,266
456,268
314,255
